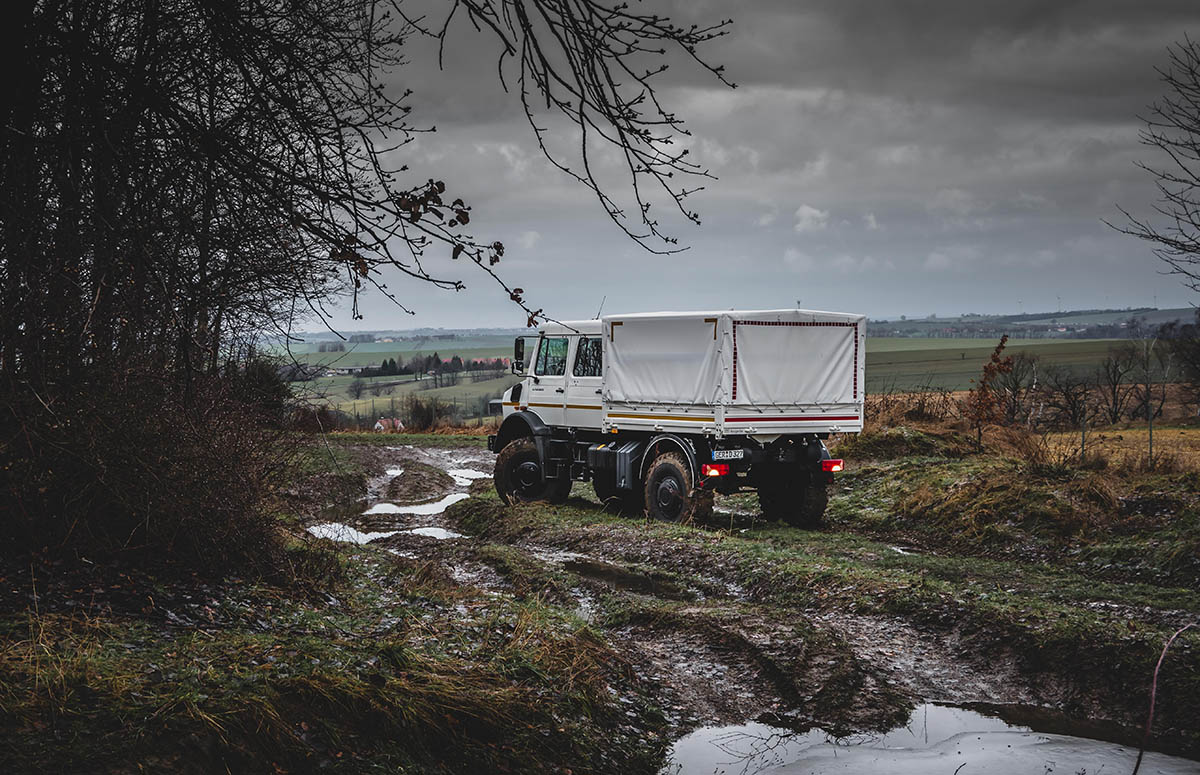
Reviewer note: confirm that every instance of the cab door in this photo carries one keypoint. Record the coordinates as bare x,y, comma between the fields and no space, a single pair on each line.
547,393
582,409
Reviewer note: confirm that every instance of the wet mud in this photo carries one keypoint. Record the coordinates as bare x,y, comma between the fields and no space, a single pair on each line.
717,658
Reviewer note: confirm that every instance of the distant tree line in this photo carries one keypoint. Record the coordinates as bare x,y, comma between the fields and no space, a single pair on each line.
1134,382
430,369
1131,383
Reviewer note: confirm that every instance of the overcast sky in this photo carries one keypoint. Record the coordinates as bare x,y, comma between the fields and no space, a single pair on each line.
885,158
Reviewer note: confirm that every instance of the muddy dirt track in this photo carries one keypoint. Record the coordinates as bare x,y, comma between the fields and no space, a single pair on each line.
716,645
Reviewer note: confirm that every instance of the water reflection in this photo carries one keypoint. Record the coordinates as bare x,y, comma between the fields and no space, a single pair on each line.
936,739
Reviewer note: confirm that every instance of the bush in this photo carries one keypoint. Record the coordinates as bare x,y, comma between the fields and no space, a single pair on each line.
903,442
132,466
424,414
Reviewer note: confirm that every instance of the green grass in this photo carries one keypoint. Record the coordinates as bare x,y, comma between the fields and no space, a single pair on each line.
466,394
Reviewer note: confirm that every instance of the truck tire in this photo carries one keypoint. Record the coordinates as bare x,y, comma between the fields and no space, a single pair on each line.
812,512
605,487
518,476
671,495
796,502
626,503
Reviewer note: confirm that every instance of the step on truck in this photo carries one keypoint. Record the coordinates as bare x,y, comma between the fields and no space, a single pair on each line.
661,410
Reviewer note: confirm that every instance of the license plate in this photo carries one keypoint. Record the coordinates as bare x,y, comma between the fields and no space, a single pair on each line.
728,454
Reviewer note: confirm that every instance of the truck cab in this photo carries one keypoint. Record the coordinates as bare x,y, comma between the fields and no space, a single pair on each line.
563,374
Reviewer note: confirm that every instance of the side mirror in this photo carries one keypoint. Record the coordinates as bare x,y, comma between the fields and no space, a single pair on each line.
518,361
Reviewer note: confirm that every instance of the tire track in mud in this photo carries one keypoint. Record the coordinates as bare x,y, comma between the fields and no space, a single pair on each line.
707,645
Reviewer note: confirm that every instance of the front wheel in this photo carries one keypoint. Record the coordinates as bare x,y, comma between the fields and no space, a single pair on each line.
671,494
519,476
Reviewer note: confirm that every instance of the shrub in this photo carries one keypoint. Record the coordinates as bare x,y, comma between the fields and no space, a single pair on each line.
132,466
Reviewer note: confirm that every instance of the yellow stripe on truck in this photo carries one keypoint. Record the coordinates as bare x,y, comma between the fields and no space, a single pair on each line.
685,417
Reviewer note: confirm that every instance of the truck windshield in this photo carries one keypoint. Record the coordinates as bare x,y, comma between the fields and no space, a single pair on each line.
552,357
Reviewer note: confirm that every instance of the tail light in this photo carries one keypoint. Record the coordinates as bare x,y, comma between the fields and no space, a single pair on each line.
714,469
831,466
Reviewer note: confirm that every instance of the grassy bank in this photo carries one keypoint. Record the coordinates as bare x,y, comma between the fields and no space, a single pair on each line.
375,662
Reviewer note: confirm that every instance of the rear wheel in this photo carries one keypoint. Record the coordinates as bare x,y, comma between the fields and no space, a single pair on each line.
791,496
519,477
670,492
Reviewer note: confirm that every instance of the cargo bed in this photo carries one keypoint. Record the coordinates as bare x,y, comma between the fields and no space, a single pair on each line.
761,373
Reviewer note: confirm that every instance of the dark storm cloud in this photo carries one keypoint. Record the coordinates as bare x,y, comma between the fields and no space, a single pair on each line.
877,156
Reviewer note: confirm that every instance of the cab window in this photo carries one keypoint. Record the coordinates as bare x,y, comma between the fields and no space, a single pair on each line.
587,358
552,357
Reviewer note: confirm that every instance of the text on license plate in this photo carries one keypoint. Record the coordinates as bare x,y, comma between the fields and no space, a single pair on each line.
728,454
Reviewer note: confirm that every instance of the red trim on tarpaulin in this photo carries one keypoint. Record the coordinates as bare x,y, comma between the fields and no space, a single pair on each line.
806,418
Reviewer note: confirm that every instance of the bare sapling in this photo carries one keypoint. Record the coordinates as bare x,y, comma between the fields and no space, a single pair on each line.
984,404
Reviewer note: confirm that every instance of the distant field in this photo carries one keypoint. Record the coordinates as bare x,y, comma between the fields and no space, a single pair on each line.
466,394
905,364
368,353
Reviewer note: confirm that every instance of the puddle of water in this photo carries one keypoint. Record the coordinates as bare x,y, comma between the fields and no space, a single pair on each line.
437,507
937,738
467,473
440,533
554,556
340,532
464,476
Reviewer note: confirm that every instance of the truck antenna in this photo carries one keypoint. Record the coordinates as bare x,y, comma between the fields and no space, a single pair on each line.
601,306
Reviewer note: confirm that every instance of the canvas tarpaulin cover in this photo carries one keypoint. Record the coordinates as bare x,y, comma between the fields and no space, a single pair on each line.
661,358
752,358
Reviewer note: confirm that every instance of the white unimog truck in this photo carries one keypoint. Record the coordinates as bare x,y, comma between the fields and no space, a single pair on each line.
659,410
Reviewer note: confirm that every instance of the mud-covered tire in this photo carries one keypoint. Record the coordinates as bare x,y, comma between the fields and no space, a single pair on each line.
605,487
813,503
626,503
558,490
670,493
794,500
517,482
773,499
